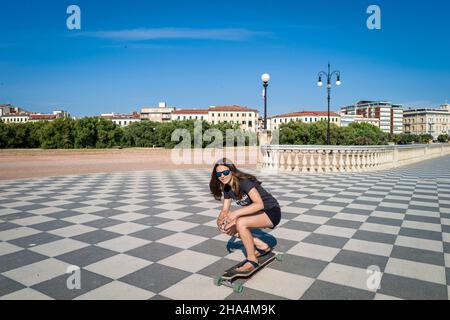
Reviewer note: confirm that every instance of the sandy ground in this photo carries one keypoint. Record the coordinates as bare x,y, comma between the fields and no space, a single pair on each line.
31,163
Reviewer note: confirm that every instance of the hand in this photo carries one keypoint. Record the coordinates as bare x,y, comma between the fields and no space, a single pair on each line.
231,221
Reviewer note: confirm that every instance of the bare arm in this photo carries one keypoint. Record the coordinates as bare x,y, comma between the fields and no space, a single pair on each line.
255,207
225,209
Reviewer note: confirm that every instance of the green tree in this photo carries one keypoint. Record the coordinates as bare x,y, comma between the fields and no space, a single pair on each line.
58,134
444,138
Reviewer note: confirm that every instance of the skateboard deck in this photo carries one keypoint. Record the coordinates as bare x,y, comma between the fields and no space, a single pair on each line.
229,276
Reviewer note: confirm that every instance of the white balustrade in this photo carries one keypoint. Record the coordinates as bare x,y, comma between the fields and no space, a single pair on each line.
345,158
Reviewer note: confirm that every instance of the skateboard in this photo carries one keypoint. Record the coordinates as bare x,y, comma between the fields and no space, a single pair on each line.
228,277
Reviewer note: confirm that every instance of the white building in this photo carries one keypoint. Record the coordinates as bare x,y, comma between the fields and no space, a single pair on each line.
305,116
190,114
162,113
347,119
427,121
246,118
390,115
122,119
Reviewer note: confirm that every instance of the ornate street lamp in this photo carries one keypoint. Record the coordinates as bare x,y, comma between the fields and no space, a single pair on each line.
265,79
329,75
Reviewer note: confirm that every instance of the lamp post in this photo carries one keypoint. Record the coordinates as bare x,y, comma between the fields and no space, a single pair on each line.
265,79
329,75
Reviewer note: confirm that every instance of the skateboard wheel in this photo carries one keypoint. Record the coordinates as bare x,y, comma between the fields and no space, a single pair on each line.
218,281
238,287
280,257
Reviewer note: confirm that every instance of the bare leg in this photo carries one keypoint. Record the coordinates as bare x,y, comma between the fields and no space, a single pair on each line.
256,241
244,226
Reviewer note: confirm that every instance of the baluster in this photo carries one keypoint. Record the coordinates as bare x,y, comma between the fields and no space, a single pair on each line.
311,162
304,161
296,162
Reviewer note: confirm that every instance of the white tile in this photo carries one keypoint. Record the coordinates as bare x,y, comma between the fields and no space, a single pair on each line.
314,251
289,234
7,248
328,208
418,243
32,220
383,297
388,215
130,216
346,276
422,225
336,231
89,209
17,233
445,222
25,294
95,202
118,266
351,217
16,204
123,244
447,260
126,228
279,283
170,206
309,201
386,204
202,286
422,213
82,218
189,261
416,270
59,247
131,208
72,231
424,204
5,212
369,247
177,225
56,203
38,272
381,228
175,215
295,210
45,211
343,200
182,240
361,207
117,290
311,219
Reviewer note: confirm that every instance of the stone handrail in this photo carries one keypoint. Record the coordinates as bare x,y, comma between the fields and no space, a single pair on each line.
296,158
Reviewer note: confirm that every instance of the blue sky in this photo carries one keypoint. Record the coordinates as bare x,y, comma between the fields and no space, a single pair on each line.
193,54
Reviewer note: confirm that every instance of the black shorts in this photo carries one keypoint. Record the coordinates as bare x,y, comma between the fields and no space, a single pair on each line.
274,215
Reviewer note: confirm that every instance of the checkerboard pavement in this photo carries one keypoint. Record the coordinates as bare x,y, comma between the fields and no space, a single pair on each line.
152,235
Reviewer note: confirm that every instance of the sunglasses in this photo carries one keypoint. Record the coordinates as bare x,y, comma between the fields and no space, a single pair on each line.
225,173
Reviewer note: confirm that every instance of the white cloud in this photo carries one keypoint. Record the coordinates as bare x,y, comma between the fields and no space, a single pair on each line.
176,33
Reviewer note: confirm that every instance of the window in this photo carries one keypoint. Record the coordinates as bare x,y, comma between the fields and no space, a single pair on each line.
237,115
184,117
196,117
244,122
231,115
213,114
243,114
218,114
178,117
250,124
201,118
